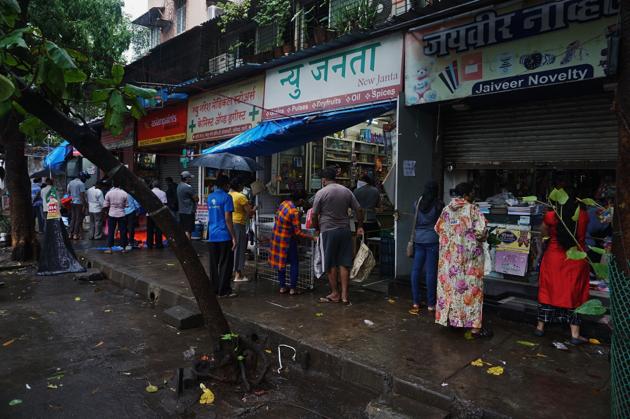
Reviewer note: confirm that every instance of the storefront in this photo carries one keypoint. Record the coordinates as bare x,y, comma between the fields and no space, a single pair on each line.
121,145
222,114
520,99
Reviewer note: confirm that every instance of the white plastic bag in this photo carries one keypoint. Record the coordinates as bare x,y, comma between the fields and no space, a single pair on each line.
318,258
363,264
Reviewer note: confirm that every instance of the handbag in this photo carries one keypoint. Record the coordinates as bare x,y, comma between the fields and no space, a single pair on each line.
410,243
363,263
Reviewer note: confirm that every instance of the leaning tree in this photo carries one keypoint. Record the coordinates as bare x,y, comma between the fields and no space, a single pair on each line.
37,77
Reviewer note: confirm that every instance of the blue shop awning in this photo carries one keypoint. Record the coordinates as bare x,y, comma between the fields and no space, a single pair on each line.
55,159
270,137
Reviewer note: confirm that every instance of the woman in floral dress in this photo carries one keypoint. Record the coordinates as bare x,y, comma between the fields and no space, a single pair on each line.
462,230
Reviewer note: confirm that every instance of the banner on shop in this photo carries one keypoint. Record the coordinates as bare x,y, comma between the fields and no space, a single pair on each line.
512,252
367,72
529,44
162,126
123,140
225,113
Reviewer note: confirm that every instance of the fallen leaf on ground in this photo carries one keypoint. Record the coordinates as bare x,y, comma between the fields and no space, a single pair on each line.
8,342
170,264
541,355
391,301
53,386
99,344
15,402
207,397
77,298
526,343
468,335
151,388
268,351
28,387
477,363
495,370
107,311
319,314
594,341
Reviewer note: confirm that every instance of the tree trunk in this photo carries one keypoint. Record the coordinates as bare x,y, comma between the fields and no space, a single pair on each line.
622,207
84,139
23,236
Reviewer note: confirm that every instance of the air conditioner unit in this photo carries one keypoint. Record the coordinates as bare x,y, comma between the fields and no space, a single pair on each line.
221,63
214,12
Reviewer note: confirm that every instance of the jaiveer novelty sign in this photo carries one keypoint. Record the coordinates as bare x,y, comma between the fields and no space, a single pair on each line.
528,44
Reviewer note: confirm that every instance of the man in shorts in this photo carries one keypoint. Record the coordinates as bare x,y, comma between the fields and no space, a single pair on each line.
331,217
187,203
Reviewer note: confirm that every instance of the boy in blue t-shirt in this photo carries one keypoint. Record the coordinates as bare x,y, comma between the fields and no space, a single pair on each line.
221,239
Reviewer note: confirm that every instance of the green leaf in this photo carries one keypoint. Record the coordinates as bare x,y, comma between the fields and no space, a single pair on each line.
9,11
55,79
114,121
40,75
74,75
101,95
589,202
591,308
601,270
575,254
529,199
576,215
14,39
559,195
5,107
229,336
118,71
76,55
59,56
6,88
117,102
104,82
240,357
137,111
598,250
32,127
135,91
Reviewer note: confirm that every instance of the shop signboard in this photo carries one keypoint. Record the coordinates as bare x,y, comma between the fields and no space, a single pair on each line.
122,140
226,112
362,73
202,213
513,250
166,125
527,44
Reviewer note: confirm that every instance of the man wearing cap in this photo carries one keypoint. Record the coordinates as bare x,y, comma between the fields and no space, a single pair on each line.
331,217
76,189
187,203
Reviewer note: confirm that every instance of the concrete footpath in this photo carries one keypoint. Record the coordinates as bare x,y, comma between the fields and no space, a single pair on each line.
376,344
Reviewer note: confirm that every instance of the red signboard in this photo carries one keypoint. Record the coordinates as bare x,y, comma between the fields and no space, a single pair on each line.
163,126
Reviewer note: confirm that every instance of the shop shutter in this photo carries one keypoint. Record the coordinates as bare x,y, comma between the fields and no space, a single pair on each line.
170,166
580,129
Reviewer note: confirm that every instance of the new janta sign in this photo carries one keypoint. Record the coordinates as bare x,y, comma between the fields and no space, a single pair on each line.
515,47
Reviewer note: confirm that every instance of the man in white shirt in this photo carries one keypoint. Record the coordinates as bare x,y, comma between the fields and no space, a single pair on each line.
154,234
95,201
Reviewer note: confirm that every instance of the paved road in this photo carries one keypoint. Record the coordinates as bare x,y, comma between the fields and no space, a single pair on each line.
88,350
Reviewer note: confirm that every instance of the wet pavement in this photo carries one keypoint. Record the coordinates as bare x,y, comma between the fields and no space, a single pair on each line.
376,344
73,349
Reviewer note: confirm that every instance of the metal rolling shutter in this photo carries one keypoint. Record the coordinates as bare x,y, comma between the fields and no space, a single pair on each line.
580,129
170,166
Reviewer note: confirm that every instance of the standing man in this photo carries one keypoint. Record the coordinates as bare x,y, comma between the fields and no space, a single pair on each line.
45,192
331,217
76,190
243,210
95,201
115,203
153,231
187,203
221,239
131,216
369,198
36,199
171,196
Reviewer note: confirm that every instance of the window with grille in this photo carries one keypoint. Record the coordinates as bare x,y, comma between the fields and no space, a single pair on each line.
180,16
266,38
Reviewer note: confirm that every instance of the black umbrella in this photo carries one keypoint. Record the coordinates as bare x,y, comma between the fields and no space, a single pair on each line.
47,173
226,161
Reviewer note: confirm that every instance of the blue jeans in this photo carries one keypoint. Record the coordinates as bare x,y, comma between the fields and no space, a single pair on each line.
425,255
292,259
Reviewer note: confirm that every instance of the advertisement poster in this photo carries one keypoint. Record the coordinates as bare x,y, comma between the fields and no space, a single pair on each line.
513,252
124,139
162,126
528,44
367,72
225,113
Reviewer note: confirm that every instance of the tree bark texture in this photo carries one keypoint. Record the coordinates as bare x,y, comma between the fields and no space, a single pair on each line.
23,236
622,208
84,139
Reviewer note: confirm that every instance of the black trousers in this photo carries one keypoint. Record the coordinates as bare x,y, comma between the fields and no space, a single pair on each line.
154,234
221,264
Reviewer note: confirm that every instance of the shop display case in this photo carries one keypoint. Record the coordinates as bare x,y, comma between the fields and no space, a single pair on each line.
289,170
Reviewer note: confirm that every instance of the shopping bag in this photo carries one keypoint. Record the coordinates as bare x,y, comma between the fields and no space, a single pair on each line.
318,258
363,264
309,219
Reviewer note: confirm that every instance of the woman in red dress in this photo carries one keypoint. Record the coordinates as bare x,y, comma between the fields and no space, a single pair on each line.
563,283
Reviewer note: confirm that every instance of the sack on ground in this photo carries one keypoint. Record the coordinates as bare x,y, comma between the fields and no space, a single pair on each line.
318,259
363,264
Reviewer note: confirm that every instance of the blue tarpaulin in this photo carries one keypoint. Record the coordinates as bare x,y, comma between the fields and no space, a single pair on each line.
55,159
270,137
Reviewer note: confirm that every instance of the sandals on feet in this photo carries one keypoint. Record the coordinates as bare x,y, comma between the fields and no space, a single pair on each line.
346,303
578,341
414,310
293,291
328,300
283,291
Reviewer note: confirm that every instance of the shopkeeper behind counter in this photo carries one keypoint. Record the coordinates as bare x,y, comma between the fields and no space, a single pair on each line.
369,198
